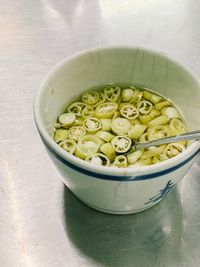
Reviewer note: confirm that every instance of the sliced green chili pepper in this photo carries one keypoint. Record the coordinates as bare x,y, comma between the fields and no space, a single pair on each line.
120,126
152,97
76,108
129,111
90,97
177,127
106,124
105,136
112,93
127,94
113,118
92,124
87,145
75,132
158,132
173,149
136,131
120,161
68,145
121,144
88,111
98,159
144,107
108,150
137,96
67,119
60,135
105,110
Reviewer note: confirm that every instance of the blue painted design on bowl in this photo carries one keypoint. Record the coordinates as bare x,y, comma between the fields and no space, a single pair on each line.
163,192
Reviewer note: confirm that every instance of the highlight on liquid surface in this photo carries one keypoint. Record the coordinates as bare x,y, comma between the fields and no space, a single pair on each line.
102,125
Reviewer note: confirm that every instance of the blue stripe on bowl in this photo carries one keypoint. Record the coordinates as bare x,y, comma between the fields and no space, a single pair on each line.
120,178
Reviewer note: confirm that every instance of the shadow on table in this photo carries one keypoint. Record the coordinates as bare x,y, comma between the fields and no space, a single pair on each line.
149,238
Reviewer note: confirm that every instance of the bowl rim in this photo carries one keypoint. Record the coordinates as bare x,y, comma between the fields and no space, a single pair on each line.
82,165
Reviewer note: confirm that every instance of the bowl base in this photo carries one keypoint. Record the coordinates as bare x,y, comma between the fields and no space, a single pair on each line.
121,212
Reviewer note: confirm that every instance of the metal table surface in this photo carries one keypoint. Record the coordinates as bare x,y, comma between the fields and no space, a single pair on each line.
41,223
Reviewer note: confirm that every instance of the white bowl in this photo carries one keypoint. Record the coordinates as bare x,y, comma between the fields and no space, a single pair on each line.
108,189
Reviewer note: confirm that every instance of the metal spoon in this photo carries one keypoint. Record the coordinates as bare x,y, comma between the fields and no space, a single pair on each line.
185,136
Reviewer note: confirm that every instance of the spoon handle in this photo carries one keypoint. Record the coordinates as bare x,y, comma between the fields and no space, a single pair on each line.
166,140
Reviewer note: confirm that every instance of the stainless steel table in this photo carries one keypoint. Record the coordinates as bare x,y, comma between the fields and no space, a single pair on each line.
41,223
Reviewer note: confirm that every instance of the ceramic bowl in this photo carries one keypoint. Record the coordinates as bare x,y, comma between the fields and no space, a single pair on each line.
108,189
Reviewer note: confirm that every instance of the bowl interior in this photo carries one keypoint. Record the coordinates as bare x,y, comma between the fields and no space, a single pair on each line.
119,65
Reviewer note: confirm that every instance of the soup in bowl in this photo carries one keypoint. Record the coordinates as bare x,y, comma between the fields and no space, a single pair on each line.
129,183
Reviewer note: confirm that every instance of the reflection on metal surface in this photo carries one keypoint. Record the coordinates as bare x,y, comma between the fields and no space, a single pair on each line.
80,9
26,259
52,12
125,239
8,31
